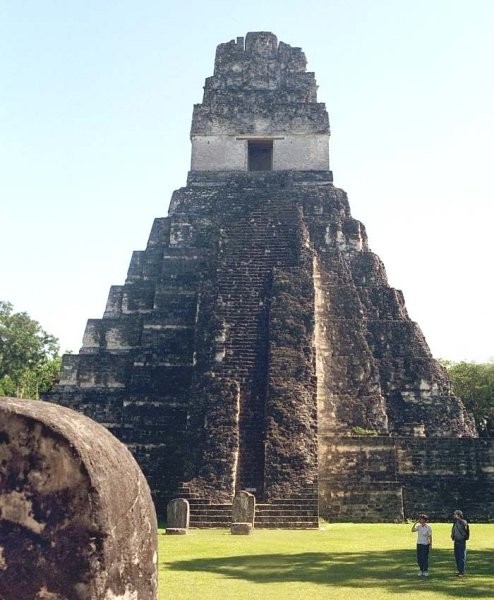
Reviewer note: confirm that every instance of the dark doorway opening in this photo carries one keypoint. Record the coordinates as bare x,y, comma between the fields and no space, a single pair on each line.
260,155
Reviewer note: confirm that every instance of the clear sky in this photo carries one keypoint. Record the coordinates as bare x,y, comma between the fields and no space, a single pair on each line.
96,102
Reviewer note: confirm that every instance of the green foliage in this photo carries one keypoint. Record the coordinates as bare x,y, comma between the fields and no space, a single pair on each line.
474,384
29,360
361,431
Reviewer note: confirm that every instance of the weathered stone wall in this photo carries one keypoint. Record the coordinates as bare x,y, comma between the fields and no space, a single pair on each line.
357,479
291,405
301,153
255,297
198,323
218,153
260,89
444,474
155,314
76,515
290,152
388,478
375,370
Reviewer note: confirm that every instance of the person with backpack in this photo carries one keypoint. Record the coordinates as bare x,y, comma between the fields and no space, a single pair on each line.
460,534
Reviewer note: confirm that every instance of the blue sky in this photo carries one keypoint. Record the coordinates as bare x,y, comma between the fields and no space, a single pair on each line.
95,107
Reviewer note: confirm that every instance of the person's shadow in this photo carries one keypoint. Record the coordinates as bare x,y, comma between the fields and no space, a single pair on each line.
393,570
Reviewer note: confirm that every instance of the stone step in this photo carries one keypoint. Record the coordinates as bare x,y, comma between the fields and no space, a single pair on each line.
205,517
285,512
207,506
288,525
308,502
285,517
211,511
208,524
298,511
265,524
300,496
266,517
189,497
313,508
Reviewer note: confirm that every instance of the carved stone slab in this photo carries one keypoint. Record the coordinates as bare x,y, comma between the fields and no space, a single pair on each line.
244,508
243,513
177,516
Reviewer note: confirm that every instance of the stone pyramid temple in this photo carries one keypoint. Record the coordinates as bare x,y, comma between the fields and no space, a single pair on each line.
257,345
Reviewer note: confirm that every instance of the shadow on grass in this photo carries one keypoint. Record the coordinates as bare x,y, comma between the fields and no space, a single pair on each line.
392,570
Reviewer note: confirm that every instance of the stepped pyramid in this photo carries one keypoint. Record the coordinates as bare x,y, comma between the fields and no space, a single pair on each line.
256,343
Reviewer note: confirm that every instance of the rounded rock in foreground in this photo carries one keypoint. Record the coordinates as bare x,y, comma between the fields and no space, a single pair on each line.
77,521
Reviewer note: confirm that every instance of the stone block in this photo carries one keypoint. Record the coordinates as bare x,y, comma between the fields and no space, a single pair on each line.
243,508
241,528
177,516
176,531
77,518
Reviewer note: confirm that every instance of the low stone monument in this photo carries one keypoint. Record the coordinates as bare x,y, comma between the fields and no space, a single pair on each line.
76,515
243,513
177,517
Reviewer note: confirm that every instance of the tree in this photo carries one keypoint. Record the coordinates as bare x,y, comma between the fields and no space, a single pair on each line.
29,360
474,384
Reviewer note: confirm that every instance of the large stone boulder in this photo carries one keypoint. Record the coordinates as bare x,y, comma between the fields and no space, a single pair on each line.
77,521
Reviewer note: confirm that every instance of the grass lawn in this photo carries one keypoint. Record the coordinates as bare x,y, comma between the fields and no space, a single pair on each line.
340,561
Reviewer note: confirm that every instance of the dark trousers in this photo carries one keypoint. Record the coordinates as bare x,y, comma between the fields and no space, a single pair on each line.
423,556
460,555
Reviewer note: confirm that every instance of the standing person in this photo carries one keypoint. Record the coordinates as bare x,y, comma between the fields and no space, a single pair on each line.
424,543
460,535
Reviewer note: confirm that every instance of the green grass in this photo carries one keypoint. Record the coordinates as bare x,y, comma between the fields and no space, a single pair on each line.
340,561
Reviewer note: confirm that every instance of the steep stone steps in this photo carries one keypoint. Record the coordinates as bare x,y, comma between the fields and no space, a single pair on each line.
210,515
258,239
286,522
298,511
266,518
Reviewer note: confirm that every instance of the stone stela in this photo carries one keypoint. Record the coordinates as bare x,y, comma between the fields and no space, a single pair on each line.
243,513
177,517
256,343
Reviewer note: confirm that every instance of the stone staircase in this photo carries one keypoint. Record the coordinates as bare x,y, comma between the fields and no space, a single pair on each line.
298,511
254,243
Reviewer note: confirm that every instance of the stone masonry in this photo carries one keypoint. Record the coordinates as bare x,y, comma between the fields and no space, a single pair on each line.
256,341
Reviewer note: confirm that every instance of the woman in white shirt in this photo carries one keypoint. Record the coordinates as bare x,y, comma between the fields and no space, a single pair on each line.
424,544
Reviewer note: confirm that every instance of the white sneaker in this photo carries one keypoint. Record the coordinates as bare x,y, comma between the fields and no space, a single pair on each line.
420,573
425,573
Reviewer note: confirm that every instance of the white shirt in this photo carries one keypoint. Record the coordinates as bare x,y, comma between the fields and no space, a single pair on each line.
424,532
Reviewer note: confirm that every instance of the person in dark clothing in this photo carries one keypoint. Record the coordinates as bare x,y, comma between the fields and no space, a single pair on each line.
459,535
